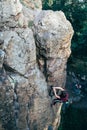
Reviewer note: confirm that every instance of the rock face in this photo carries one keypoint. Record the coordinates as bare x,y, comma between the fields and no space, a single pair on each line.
53,35
32,57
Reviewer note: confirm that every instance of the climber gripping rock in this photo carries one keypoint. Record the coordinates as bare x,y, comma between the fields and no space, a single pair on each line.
60,94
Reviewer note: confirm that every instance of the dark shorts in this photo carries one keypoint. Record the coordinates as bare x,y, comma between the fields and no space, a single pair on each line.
61,100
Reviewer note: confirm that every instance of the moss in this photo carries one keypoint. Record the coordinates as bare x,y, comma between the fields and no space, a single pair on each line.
23,3
36,6
30,24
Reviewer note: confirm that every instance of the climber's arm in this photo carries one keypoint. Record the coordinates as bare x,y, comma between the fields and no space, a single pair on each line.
54,89
55,93
60,88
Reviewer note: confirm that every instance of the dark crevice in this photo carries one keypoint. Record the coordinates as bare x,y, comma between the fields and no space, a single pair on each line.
40,56
10,69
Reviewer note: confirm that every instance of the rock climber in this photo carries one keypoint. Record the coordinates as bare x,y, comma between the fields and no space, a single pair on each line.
60,94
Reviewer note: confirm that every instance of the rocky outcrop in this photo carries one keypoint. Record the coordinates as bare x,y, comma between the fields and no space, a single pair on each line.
53,35
33,53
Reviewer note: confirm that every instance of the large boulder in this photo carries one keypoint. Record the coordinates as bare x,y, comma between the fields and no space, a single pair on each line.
11,15
31,59
53,33
9,8
20,49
